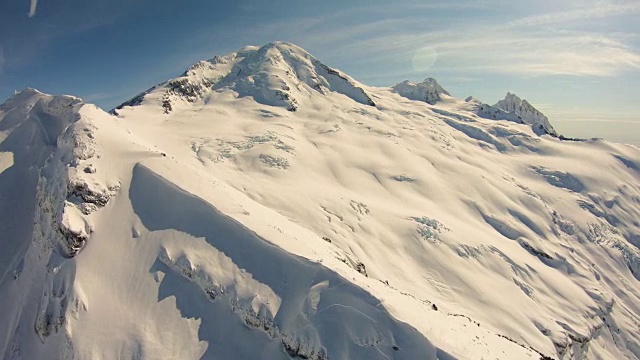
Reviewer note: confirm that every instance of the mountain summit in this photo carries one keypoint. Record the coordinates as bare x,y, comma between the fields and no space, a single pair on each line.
428,91
276,74
263,205
513,108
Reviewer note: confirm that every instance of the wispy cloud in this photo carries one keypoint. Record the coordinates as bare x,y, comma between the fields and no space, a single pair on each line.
32,8
543,53
525,47
586,13
483,49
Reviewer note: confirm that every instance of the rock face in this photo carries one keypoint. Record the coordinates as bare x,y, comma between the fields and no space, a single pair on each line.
513,108
428,91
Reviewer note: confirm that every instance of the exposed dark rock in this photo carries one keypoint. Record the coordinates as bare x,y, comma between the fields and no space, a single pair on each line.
361,269
73,241
536,251
83,191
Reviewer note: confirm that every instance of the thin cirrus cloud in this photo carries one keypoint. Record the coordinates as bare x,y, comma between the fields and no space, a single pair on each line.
526,47
494,50
587,13
544,53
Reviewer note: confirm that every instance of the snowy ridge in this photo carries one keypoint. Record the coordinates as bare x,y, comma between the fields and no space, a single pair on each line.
340,230
59,189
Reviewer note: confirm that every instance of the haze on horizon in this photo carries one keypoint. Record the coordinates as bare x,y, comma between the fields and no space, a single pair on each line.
577,61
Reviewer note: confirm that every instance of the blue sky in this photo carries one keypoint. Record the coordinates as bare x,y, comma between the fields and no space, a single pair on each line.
577,61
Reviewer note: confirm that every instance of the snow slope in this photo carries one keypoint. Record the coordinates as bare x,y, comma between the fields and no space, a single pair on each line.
264,205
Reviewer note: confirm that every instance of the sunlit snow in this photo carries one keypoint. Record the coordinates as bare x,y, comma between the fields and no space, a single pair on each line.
264,205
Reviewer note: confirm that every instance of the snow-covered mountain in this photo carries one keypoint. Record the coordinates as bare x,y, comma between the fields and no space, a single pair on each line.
513,108
273,75
428,91
264,205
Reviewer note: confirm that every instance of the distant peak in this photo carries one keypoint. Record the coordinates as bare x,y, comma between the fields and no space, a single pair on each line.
32,93
430,80
429,90
280,50
27,92
275,74
282,44
513,108
513,103
279,46
512,97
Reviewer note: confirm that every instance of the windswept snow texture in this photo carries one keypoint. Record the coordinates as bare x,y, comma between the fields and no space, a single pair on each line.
316,314
262,205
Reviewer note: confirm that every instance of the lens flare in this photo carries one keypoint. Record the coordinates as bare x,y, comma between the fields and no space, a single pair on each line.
424,59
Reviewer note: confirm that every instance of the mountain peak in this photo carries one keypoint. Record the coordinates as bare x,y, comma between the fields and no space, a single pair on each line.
512,98
429,90
512,103
430,80
22,96
32,100
28,91
276,74
283,45
513,108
